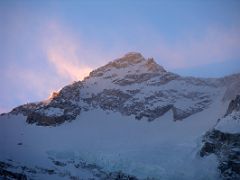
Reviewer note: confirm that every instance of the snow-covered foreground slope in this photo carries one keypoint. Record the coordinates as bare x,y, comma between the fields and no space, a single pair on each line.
162,149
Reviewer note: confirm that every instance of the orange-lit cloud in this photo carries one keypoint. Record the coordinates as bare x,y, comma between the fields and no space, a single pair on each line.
67,65
60,59
64,53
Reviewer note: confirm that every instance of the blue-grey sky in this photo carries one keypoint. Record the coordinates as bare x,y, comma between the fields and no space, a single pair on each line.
45,45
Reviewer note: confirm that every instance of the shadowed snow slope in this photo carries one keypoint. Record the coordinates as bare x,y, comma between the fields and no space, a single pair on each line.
160,149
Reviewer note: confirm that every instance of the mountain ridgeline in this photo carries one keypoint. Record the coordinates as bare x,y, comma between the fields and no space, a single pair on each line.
132,85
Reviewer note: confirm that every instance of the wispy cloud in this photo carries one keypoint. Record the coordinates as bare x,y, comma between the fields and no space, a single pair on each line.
64,53
58,59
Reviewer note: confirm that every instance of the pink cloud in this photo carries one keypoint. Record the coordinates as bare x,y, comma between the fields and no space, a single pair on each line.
64,53
68,59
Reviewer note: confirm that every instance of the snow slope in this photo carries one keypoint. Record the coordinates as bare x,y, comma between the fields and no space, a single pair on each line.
230,123
159,149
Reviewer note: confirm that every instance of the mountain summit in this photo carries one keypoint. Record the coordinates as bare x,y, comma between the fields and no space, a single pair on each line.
131,63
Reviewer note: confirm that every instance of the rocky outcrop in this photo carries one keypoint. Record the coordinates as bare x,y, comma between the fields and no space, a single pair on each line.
225,143
12,175
109,99
135,78
226,147
9,170
6,173
60,108
26,108
152,114
126,103
234,105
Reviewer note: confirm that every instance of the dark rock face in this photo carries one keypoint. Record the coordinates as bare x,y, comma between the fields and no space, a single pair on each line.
135,78
163,79
152,66
41,117
234,105
44,120
9,170
179,114
109,99
25,109
126,103
65,101
7,174
120,176
227,148
152,114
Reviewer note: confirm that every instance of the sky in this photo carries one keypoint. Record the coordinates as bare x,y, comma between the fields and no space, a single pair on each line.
45,45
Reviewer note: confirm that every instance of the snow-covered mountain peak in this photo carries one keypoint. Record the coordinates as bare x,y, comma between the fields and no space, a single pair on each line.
130,85
153,66
134,58
131,57
131,63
